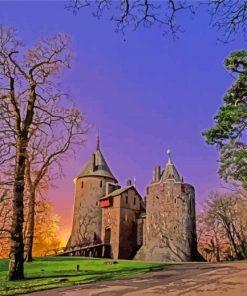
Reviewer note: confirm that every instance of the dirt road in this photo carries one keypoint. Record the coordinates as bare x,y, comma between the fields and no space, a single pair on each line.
228,279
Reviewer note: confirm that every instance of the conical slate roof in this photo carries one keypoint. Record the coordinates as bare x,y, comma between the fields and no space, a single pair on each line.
97,165
170,172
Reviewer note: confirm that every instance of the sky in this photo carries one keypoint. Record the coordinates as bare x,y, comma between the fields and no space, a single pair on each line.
145,93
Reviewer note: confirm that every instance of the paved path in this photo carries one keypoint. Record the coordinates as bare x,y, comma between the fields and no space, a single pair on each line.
228,279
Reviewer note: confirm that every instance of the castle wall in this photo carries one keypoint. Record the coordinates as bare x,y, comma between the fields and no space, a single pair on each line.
170,222
121,218
87,217
111,220
130,208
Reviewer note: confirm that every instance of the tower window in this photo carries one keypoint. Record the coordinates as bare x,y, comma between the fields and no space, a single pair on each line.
97,203
175,200
134,200
82,184
126,199
101,184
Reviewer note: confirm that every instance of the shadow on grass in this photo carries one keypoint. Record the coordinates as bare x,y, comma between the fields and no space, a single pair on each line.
47,279
88,273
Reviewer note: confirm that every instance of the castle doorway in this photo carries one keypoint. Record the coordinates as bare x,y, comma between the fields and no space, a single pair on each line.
107,235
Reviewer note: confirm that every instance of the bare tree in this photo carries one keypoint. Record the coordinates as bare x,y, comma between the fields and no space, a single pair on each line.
227,16
136,13
225,224
31,102
45,156
211,238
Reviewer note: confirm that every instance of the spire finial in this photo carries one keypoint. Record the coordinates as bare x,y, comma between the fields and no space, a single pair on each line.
168,151
97,141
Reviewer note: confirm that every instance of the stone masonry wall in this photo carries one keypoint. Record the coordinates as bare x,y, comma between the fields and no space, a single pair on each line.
170,222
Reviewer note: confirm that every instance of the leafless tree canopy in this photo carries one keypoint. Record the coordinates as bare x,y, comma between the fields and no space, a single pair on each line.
222,227
133,14
228,16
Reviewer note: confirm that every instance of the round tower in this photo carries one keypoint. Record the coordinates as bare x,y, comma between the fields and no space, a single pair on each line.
170,217
90,186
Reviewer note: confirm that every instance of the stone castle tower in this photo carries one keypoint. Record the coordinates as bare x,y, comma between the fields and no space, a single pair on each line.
169,225
90,186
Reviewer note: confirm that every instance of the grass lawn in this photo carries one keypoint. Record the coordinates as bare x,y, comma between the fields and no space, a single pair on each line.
53,272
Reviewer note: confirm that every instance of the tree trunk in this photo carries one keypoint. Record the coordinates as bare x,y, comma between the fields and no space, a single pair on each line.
16,264
234,244
30,227
241,241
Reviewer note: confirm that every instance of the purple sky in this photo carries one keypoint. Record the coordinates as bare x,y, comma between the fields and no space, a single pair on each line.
145,94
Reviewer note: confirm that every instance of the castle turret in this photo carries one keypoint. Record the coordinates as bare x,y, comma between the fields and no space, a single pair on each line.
90,185
170,218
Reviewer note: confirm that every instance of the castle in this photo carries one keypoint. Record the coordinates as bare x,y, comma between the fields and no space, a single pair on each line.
160,227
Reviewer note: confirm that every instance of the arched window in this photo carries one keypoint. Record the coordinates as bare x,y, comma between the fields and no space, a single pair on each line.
82,184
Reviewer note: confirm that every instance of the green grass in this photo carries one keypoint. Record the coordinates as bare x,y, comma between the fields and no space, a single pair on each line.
54,272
